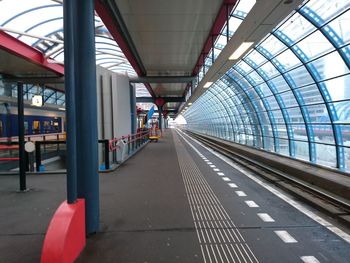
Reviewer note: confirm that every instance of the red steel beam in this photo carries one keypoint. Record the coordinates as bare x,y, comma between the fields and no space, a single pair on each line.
30,54
113,29
220,21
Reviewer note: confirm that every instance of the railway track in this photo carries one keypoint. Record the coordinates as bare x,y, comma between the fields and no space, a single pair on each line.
335,206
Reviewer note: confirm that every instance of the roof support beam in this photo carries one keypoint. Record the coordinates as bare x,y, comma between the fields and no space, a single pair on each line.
20,49
111,17
167,99
165,79
35,80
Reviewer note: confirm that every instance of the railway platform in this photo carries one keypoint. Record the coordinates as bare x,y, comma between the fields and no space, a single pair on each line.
177,201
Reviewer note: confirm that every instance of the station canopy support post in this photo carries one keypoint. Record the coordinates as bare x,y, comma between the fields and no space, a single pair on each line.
81,104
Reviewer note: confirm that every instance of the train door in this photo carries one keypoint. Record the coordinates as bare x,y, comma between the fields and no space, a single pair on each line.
56,126
36,127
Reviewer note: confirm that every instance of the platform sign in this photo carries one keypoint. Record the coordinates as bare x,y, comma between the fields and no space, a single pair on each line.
37,100
29,147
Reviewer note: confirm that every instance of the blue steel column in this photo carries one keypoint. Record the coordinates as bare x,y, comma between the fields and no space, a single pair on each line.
133,109
84,68
86,106
21,152
160,111
69,31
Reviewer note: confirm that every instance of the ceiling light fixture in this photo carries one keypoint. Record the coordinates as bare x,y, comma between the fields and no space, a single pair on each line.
207,85
190,103
240,50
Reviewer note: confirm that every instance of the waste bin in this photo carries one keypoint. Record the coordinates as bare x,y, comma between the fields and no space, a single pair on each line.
121,152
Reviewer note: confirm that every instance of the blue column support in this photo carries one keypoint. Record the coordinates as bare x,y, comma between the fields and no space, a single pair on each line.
68,23
81,42
133,109
21,152
160,111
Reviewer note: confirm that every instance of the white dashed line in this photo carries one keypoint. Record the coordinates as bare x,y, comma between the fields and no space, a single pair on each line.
240,193
221,174
265,217
309,259
232,185
251,203
216,169
226,179
345,236
285,236
212,166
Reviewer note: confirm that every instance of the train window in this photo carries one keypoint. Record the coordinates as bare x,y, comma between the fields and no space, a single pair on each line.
1,128
56,125
36,127
46,126
26,127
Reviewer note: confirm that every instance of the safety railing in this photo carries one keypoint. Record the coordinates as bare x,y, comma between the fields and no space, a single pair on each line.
38,146
36,137
124,146
114,151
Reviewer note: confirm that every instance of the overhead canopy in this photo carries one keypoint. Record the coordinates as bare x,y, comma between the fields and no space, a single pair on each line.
39,24
172,38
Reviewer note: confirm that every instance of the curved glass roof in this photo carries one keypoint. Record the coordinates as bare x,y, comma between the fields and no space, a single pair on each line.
291,93
40,25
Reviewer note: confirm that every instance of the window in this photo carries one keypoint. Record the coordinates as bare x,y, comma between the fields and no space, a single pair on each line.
1,128
46,126
26,127
56,125
36,127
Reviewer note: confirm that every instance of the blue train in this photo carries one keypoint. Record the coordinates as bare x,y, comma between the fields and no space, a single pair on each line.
36,122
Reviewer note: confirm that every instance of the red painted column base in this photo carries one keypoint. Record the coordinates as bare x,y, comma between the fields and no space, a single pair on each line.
65,237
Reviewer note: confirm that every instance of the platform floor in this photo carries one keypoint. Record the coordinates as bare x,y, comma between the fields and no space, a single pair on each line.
176,201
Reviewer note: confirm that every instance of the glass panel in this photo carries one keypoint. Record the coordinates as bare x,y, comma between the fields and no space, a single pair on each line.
289,99
296,27
282,131
311,94
300,132
329,66
234,24
326,155
300,76
323,133
315,45
272,102
280,84
345,131
244,7
341,28
256,78
342,112
256,57
264,90
287,60
338,88
273,45
347,158
327,9
244,67
269,69
284,147
221,42
318,113
301,150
